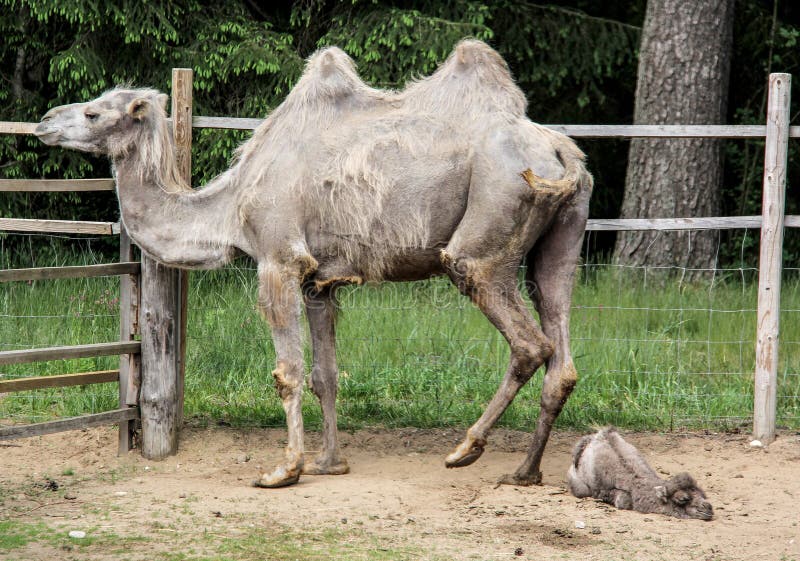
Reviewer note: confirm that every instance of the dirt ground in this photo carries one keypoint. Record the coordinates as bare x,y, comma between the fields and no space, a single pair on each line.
398,498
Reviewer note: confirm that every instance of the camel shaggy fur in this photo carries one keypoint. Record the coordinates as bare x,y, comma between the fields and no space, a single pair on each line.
344,183
608,468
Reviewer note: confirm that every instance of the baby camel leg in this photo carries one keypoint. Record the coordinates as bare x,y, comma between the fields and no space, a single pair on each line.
502,304
279,300
550,278
320,311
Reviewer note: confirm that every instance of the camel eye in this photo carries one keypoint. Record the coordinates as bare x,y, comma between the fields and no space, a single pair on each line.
680,498
90,116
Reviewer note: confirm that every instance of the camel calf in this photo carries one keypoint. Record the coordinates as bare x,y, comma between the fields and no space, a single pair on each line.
606,467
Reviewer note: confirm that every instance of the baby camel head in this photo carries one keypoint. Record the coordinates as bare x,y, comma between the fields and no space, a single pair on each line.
109,125
683,498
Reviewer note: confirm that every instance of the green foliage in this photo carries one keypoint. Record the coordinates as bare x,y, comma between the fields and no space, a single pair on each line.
575,60
393,44
537,38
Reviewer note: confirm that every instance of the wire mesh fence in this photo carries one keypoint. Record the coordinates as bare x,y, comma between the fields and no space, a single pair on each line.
656,348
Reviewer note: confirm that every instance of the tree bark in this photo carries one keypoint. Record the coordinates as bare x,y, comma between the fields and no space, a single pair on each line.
684,64
18,82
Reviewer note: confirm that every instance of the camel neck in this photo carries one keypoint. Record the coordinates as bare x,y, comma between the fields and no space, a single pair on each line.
191,229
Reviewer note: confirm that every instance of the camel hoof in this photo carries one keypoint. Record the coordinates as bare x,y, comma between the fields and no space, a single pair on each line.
520,481
463,456
321,468
281,476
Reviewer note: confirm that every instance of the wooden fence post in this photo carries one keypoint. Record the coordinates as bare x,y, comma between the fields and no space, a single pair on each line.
158,399
129,365
770,260
163,311
182,133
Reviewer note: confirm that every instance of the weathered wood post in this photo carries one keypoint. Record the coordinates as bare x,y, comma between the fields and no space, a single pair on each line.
161,397
129,364
182,132
770,260
159,318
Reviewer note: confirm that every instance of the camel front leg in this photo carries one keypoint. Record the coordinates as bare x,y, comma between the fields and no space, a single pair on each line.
321,314
279,301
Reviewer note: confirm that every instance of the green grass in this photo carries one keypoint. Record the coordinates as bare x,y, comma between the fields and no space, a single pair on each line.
17,534
652,353
319,545
273,542
14,534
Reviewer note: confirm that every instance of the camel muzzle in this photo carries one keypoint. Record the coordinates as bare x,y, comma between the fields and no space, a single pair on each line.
49,137
46,131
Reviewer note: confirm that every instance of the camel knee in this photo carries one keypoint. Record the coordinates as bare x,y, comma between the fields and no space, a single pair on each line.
288,379
323,383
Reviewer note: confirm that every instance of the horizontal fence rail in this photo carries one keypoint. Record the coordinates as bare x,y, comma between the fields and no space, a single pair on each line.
73,272
55,185
68,352
577,131
709,223
666,131
82,422
11,127
59,381
58,226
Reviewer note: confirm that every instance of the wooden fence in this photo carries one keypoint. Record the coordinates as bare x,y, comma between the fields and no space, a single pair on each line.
152,304
128,373
163,291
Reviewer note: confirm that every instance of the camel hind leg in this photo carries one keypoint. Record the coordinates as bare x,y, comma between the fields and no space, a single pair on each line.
550,278
499,299
506,214
482,260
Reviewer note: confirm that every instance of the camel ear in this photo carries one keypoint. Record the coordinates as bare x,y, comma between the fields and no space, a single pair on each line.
138,108
681,497
680,481
661,493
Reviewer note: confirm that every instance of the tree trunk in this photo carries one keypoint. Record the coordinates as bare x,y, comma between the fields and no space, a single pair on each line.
684,64
18,81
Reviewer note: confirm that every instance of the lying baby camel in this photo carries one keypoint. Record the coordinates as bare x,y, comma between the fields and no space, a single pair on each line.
606,467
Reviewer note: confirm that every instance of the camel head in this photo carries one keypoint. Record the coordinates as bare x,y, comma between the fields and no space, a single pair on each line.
109,125
683,498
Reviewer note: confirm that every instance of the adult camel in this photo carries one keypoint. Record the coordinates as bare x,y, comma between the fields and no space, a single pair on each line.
344,183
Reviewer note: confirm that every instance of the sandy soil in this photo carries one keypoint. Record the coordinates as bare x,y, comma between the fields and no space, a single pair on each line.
399,496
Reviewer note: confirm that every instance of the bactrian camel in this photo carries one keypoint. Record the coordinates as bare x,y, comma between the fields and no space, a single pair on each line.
344,183
606,467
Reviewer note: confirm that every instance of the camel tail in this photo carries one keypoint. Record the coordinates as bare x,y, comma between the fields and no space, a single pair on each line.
576,178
